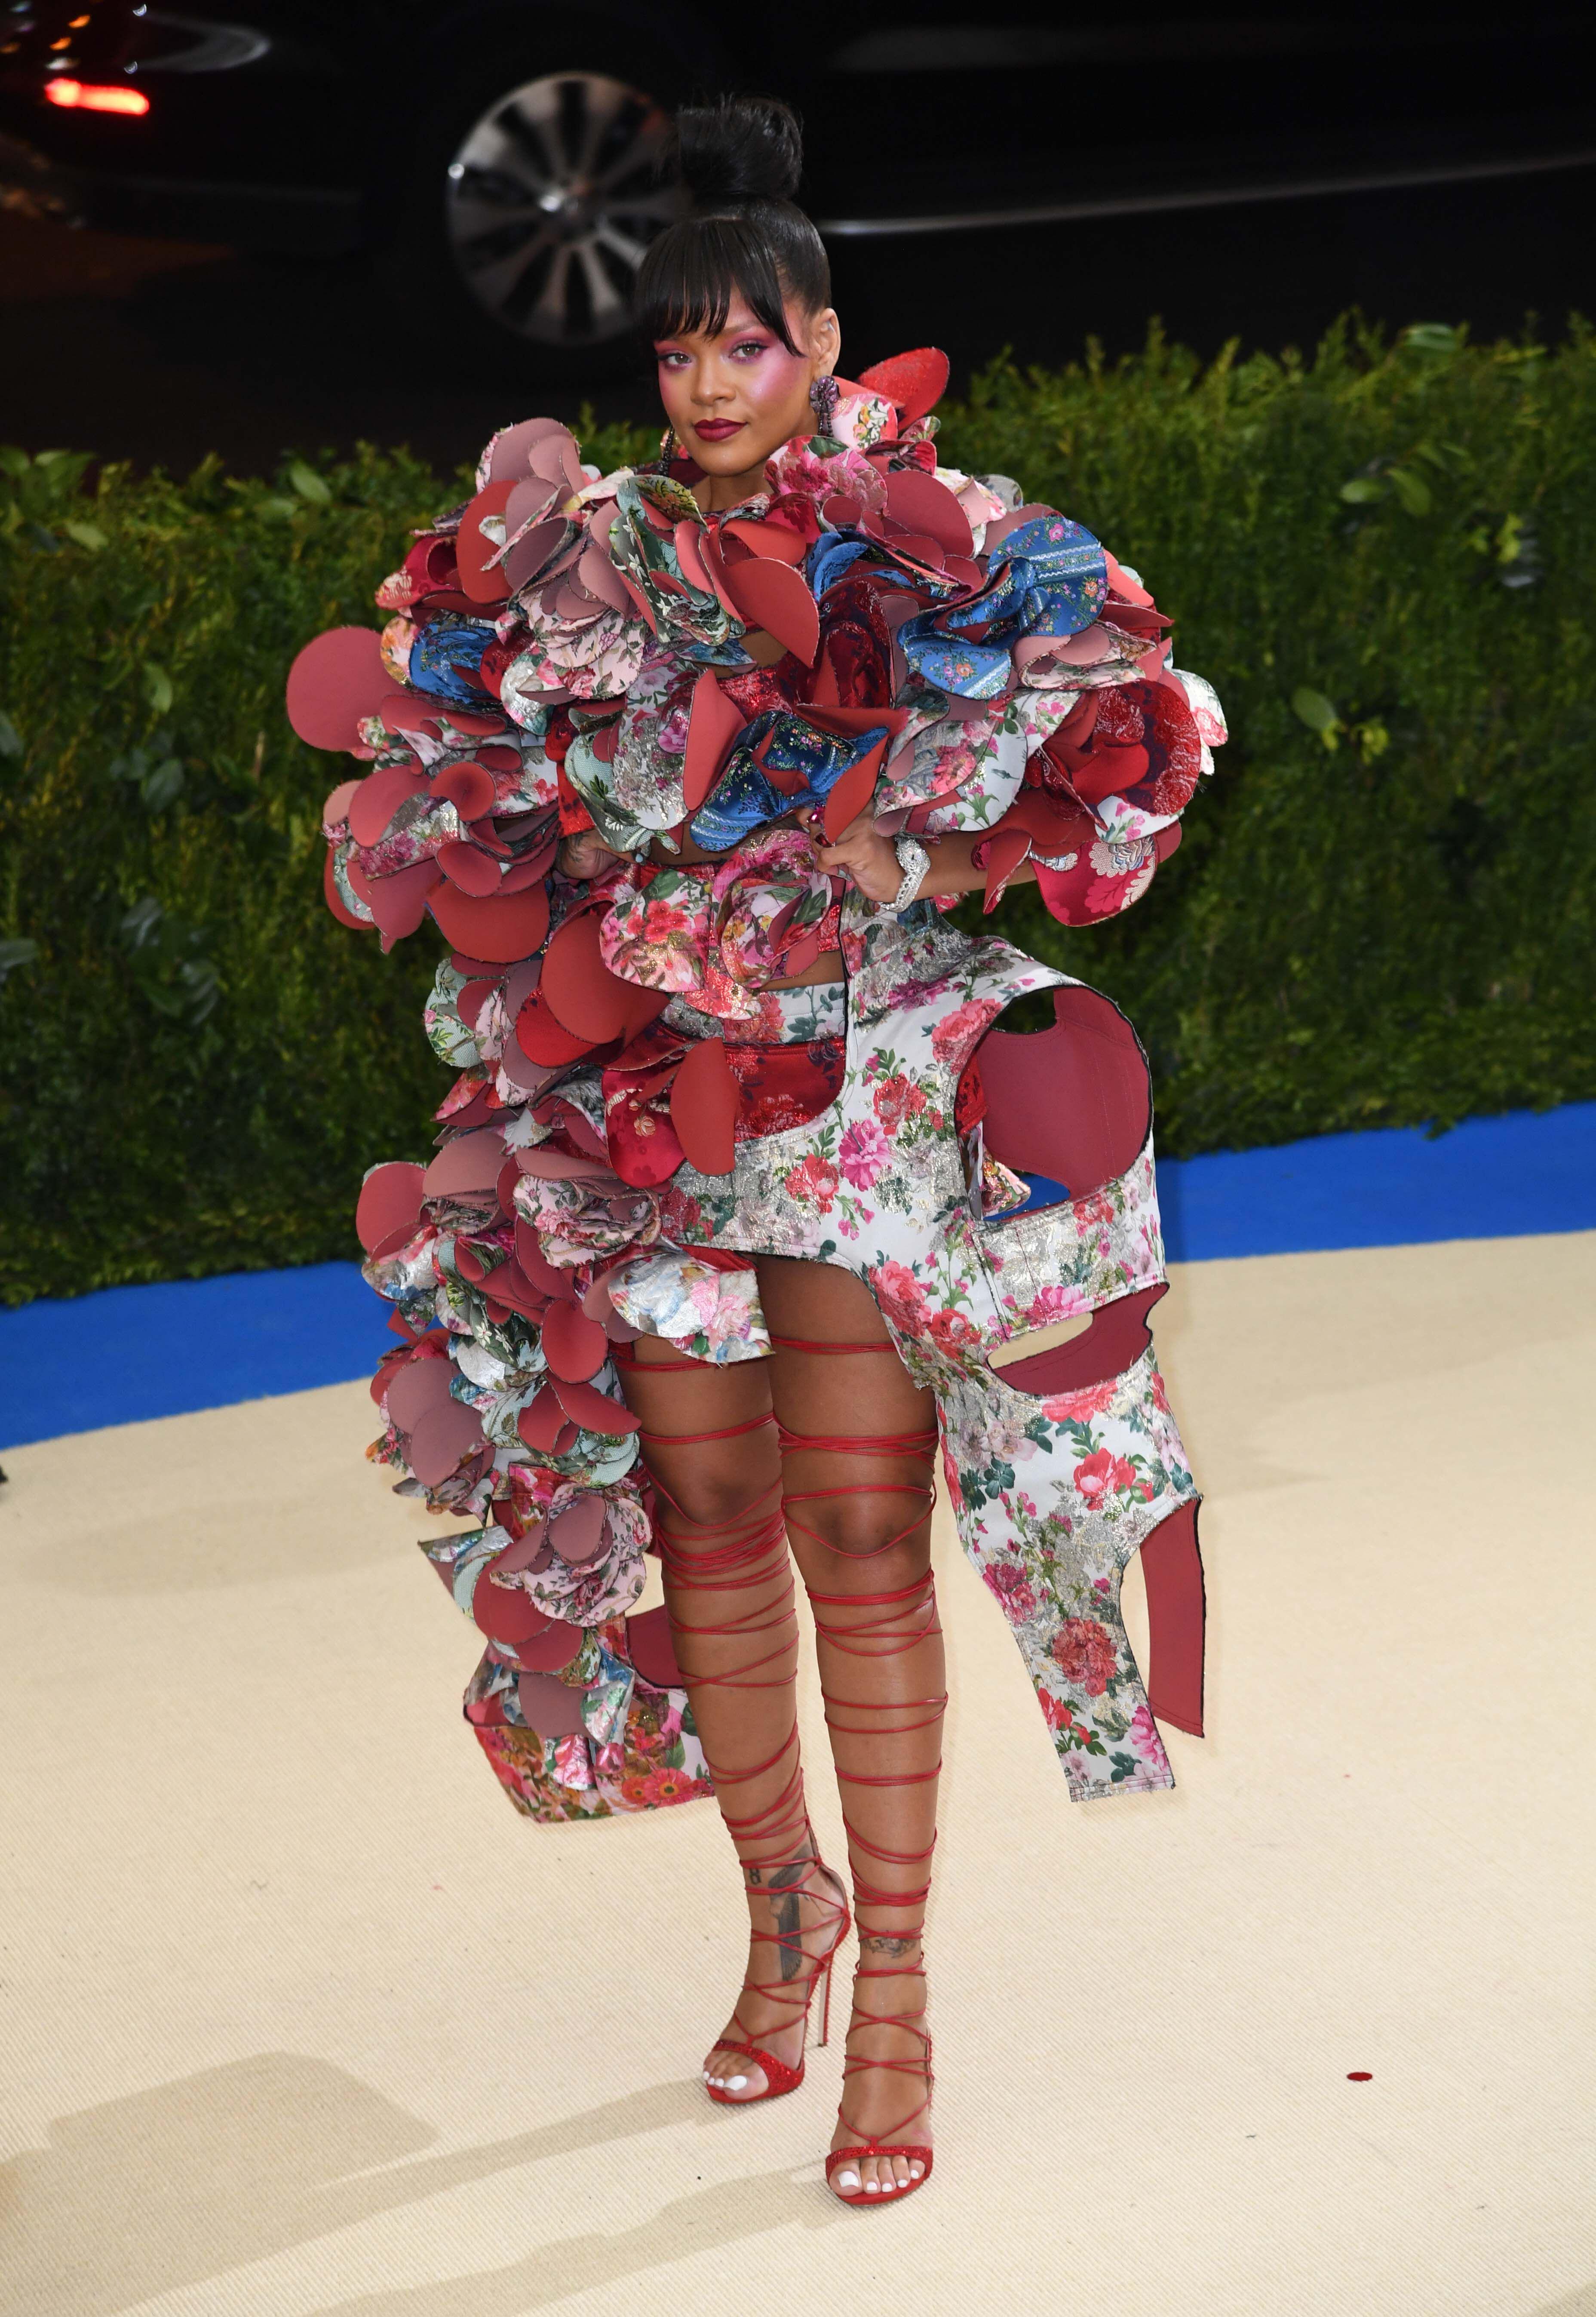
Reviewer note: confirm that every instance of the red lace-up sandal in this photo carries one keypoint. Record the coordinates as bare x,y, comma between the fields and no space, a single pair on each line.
912,2152
794,1993
866,1627
903,1618
748,1553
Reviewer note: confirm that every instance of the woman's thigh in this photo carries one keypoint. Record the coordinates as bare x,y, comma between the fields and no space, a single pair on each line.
872,1500
708,1479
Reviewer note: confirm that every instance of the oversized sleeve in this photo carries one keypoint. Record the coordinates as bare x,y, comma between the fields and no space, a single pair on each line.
506,629
1030,674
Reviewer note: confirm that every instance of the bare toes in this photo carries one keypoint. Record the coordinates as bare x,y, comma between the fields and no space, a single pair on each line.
736,2080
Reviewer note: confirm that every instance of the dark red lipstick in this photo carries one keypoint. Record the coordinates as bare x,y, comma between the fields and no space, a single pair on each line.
717,430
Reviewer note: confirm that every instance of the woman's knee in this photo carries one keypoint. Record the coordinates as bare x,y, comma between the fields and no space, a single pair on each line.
860,1551
713,1495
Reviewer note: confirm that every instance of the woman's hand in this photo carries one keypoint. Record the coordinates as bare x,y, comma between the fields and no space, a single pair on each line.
862,854
584,856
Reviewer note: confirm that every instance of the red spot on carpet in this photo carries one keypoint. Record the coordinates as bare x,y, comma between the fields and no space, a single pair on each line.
1359,2076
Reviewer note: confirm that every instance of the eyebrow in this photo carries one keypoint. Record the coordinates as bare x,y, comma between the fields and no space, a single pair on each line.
676,340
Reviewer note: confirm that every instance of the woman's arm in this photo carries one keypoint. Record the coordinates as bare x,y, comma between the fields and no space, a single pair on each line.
585,856
861,853
869,859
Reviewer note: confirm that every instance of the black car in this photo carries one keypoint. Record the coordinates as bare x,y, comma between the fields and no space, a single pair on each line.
506,152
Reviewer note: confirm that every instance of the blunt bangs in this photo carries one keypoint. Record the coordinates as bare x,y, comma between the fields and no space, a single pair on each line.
767,254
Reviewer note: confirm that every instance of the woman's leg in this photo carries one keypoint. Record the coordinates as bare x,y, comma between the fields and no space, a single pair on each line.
710,1443
858,1440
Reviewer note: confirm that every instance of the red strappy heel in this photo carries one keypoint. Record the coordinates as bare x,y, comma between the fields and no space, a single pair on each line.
751,1554
864,1626
779,2078
907,1616
912,2152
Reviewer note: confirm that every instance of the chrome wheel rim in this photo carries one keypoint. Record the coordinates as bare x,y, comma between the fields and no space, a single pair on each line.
551,201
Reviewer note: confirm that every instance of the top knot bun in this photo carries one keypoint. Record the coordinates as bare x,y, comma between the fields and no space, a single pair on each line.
743,149
743,236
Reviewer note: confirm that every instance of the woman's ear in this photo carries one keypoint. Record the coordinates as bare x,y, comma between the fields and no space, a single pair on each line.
825,342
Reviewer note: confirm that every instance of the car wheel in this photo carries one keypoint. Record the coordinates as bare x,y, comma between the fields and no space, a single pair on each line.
551,198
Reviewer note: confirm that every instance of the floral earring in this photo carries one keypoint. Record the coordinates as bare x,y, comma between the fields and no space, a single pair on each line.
824,396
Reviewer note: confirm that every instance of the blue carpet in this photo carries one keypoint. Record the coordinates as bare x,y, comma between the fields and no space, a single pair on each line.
1488,1178
133,1352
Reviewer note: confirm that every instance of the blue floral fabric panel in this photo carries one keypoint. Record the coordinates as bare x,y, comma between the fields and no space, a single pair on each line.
446,659
746,797
1049,578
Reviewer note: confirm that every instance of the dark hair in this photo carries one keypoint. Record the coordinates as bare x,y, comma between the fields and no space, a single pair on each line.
740,161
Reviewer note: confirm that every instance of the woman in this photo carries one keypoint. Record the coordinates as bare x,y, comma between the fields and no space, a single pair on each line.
741,1199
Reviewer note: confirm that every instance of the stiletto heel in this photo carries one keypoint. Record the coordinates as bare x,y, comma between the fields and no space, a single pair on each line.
746,1554
781,2079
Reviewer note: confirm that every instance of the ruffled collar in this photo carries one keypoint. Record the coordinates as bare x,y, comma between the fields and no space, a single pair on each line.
814,466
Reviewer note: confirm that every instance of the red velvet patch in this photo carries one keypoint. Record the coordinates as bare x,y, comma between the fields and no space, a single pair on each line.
1072,1103
785,1085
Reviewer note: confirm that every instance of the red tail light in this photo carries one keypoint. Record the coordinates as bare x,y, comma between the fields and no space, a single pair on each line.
85,96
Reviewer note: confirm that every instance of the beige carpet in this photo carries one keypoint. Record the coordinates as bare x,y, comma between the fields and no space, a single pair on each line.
301,2019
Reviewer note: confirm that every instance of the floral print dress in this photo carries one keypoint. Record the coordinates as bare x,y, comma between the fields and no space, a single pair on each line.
637,1112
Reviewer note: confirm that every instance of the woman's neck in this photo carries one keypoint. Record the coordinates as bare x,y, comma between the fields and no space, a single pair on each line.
714,492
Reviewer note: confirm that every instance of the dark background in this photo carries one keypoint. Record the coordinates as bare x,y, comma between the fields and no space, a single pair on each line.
336,138
158,351
1394,930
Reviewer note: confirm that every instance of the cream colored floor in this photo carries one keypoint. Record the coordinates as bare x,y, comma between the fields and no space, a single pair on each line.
301,2019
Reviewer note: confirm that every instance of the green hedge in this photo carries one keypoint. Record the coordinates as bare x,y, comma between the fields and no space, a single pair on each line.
1384,909
1382,913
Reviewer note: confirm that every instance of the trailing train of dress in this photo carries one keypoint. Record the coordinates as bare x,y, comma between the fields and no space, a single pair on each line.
637,1111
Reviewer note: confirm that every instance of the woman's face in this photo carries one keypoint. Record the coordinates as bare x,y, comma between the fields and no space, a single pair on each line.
734,397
